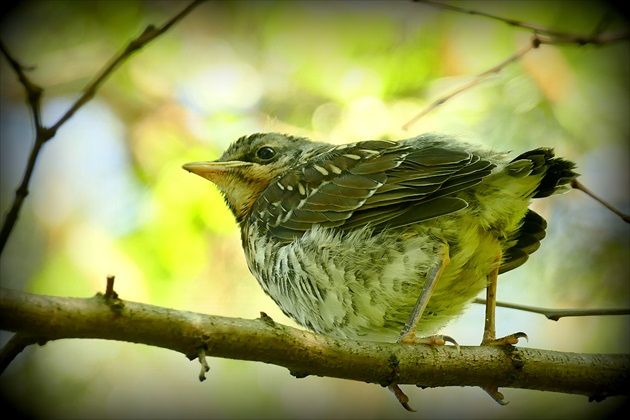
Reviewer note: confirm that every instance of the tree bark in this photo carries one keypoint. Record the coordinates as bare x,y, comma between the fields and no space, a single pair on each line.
45,318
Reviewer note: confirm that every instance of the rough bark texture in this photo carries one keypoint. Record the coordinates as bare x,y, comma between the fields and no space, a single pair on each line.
45,318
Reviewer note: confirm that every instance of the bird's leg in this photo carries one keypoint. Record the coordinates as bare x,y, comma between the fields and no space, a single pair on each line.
489,331
408,333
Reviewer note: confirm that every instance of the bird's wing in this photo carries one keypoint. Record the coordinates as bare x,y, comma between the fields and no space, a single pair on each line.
376,183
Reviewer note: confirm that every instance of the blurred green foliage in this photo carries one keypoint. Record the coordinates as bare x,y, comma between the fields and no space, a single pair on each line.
109,194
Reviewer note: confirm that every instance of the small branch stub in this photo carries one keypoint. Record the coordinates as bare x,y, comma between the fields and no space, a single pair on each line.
110,297
201,356
109,288
267,319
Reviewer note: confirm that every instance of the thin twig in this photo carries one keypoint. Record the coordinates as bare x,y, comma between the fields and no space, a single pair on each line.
534,43
148,35
15,346
584,40
34,95
579,186
33,92
43,134
556,314
511,22
552,35
541,35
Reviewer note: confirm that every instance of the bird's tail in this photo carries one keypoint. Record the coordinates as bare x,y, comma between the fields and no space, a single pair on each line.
558,172
554,176
524,241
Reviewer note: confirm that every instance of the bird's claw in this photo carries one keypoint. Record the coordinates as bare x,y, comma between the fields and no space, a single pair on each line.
402,398
448,339
495,394
508,340
410,338
432,340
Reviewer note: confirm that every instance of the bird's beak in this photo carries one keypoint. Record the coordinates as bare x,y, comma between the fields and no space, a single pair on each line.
211,170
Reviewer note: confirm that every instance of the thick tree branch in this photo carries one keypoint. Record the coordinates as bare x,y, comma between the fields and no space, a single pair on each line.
303,353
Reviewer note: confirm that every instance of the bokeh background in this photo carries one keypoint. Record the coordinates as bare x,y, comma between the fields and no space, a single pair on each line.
109,196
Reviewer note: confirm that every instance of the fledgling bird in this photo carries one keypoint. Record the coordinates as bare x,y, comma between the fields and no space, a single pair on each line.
383,240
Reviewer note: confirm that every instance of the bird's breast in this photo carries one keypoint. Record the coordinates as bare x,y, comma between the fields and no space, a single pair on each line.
357,284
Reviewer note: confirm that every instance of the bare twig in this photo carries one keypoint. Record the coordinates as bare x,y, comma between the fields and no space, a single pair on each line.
579,186
33,94
511,22
548,35
148,35
541,35
556,314
580,40
475,81
43,134
15,346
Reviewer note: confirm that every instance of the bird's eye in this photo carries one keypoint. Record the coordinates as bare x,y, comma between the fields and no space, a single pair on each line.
265,153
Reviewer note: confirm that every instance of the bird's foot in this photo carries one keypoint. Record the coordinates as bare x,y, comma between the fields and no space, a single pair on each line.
402,398
410,338
432,340
508,340
495,394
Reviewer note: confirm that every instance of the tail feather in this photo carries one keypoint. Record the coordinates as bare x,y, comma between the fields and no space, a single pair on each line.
525,241
558,172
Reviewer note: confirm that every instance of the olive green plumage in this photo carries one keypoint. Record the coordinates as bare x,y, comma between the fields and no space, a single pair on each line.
342,237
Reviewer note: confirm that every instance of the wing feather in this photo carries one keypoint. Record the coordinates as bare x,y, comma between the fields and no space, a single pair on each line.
376,183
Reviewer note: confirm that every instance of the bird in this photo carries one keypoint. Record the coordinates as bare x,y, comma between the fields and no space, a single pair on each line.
384,240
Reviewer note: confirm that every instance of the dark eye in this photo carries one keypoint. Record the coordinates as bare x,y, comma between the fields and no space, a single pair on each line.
265,153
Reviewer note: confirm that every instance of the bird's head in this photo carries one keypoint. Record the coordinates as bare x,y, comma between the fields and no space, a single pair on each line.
251,164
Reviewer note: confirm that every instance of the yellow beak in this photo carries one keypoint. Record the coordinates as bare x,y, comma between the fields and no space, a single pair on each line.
212,169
